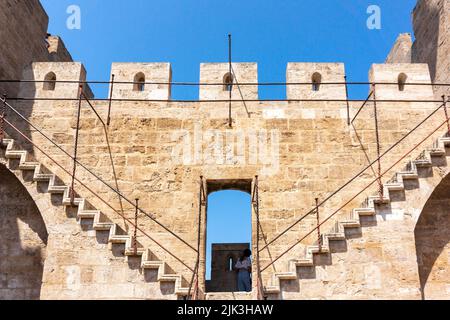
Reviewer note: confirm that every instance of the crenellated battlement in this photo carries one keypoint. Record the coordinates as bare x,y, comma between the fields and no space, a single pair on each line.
153,81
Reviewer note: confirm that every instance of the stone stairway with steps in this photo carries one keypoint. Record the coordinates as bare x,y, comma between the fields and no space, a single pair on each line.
116,235
370,209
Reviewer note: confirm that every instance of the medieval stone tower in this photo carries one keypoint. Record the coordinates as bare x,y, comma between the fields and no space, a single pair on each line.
71,167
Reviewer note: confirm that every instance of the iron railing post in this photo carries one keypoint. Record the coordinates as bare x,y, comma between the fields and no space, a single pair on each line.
444,101
346,97
108,120
319,238
255,201
201,203
75,152
135,227
377,135
230,121
2,117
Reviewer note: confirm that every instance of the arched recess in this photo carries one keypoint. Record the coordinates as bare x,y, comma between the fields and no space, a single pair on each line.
23,240
432,235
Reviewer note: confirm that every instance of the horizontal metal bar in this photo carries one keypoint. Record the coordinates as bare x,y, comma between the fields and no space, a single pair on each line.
222,100
221,83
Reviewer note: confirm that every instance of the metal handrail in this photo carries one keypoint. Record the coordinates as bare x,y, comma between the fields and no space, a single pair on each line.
96,176
362,106
105,130
96,195
222,100
354,197
188,83
353,178
255,202
202,202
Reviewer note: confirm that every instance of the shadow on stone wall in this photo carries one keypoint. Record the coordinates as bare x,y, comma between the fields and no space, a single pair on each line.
426,29
23,240
432,235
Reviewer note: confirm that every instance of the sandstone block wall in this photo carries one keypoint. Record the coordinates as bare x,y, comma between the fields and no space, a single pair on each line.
300,150
23,43
149,72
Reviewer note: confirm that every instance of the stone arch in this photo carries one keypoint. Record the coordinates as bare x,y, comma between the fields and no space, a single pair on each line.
432,235
23,240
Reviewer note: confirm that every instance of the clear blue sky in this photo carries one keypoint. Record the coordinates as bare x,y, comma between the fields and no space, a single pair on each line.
271,33
188,32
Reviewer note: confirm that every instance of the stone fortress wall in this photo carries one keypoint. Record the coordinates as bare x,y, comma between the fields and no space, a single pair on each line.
301,150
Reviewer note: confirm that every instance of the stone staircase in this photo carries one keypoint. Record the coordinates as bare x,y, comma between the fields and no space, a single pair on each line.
116,235
229,296
370,209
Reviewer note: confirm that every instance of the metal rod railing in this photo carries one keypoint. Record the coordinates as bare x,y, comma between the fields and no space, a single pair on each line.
224,100
255,201
319,238
108,121
187,83
72,187
230,90
348,103
105,130
362,106
135,227
97,177
2,117
353,197
201,203
446,113
240,91
96,195
353,178
377,136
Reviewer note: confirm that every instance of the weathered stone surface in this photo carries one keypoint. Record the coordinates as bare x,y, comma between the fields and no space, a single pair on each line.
301,150
401,51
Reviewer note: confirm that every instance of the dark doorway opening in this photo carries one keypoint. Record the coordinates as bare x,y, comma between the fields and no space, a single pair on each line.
228,231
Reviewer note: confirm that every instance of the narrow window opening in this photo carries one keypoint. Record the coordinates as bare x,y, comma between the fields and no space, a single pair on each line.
50,81
402,81
230,264
139,82
316,81
228,82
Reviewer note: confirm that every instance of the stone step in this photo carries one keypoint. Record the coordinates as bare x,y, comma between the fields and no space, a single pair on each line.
229,296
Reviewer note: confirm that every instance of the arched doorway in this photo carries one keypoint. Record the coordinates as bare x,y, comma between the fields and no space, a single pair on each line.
432,235
228,231
23,241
